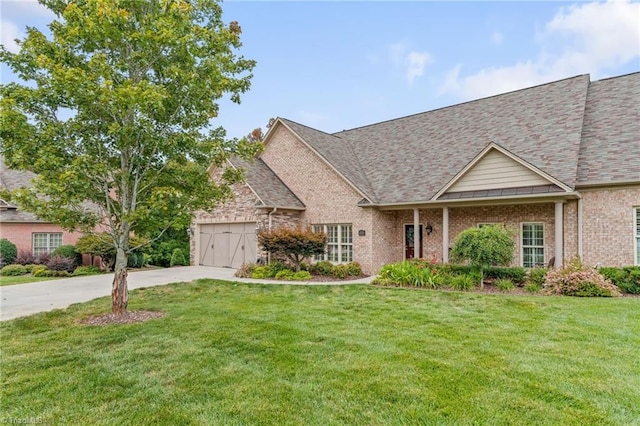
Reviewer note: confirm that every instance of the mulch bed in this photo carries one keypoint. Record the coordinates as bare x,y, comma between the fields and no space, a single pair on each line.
127,318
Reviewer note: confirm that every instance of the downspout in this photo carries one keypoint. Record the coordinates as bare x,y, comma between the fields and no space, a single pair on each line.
580,251
270,224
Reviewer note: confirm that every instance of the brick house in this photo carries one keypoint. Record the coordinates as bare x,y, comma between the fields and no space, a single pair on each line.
24,229
559,164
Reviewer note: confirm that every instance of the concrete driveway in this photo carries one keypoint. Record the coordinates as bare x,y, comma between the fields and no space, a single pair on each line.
26,299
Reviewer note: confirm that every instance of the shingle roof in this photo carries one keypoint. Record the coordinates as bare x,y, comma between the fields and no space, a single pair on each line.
410,159
267,186
610,150
10,180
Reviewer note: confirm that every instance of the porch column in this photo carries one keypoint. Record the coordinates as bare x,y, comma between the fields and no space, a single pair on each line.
417,242
445,235
580,228
559,251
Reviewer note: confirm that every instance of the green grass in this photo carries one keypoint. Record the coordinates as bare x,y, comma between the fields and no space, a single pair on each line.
24,279
229,353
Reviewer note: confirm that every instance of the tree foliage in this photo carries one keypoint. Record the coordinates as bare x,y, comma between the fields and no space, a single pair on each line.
294,244
490,245
101,244
115,119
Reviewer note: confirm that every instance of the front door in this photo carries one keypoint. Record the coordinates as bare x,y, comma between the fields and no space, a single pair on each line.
409,242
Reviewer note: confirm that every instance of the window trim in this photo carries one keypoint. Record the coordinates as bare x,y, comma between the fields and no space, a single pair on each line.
522,246
49,248
322,227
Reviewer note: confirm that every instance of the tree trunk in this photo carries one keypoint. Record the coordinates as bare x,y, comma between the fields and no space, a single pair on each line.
120,292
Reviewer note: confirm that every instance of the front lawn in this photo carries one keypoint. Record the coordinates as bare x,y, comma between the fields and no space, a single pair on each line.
229,353
23,279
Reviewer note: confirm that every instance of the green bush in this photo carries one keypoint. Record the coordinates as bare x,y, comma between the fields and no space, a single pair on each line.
285,275
517,274
38,271
8,252
504,284
160,252
13,270
627,279
70,252
322,268
268,271
30,267
354,269
135,260
340,271
463,282
537,276
576,279
86,270
408,273
50,273
178,258
532,287
302,276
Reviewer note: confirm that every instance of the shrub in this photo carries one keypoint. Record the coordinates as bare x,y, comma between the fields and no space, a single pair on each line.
8,252
13,270
135,260
532,287
285,275
340,271
504,284
354,269
30,267
70,252
517,275
322,268
576,279
626,279
178,258
86,270
410,273
484,247
463,282
268,271
246,270
302,276
161,251
25,257
61,263
102,245
537,276
39,271
49,273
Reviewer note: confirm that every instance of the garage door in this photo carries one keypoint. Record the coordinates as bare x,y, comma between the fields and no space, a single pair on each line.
227,245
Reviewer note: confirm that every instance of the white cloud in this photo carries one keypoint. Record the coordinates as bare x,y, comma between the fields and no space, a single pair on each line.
8,34
580,39
497,38
417,63
413,63
25,7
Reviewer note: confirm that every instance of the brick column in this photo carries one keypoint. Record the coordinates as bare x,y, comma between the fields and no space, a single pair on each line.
417,241
445,234
559,250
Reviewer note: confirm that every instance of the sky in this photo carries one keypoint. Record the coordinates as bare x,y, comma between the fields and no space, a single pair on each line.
336,65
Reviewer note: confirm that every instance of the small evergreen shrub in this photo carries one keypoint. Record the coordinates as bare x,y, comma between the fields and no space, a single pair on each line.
135,260
354,269
30,267
322,268
70,252
537,276
504,284
463,282
61,263
13,270
340,271
284,275
50,273
301,276
576,279
517,274
261,272
246,270
532,287
627,279
8,252
39,271
178,258
86,270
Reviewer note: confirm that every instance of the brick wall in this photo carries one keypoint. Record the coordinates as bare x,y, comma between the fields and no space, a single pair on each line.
608,234
21,234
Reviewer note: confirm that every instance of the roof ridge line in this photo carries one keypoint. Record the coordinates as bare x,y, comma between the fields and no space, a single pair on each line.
461,103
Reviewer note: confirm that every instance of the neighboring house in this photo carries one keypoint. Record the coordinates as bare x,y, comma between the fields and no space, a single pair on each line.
24,229
559,164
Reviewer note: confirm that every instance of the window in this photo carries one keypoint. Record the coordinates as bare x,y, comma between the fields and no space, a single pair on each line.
46,242
637,229
532,245
339,243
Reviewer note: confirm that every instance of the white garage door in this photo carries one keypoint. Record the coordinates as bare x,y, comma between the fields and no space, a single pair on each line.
227,245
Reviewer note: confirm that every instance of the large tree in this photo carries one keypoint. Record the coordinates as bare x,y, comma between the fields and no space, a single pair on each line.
116,114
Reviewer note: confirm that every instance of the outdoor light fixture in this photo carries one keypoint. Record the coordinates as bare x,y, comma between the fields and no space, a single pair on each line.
429,229
362,233
190,231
